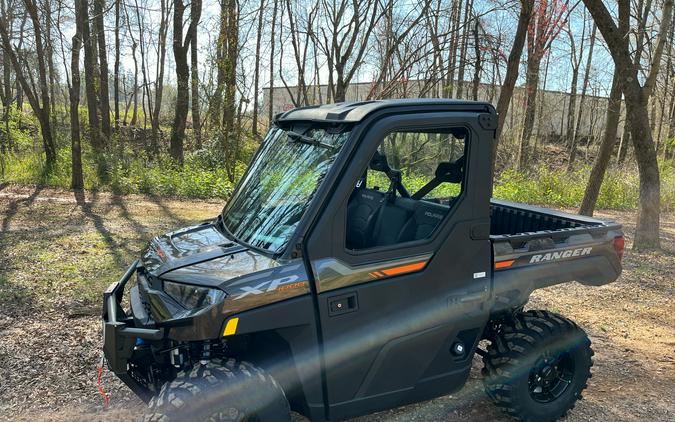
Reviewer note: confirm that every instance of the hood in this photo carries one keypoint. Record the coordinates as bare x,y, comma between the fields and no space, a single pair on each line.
201,255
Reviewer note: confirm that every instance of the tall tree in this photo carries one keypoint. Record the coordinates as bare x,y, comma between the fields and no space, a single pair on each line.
256,71
90,80
582,100
270,105
38,97
636,96
344,37
134,47
104,93
231,55
464,47
116,77
165,13
194,82
180,50
6,19
601,162
77,179
548,19
575,62
506,92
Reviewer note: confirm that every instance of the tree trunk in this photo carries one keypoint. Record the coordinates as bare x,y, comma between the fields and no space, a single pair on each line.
180,49
647,227
182,84
231,49
506,92
49,51
625,142
90,81
6,76
463,49
216,103
455,17
116,81
194,79
104,94
531,86
256,75
159,85
478,67
582,102
605,152
77,179
39,99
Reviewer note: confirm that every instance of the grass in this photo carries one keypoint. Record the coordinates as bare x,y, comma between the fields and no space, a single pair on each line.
619,191
130,170
126,175
201,177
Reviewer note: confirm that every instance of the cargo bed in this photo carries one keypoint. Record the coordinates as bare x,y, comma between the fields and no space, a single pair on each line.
535,247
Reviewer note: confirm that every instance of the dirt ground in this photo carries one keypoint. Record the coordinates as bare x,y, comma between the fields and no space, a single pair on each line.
59,250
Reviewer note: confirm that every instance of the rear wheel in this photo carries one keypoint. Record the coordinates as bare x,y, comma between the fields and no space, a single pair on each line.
537,365
230,391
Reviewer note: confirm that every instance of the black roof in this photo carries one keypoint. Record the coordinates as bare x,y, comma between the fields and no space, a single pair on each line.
352,112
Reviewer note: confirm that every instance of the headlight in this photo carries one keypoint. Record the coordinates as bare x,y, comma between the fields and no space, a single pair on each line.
193,297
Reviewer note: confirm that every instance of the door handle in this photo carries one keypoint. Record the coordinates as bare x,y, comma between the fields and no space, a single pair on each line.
342,304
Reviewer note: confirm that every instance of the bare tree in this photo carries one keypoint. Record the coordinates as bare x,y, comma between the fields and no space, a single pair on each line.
231,55
116,77
601,162
90,80
464,48
38,98
77,179
256,71
636,96
165,13
180,49
582,101
513,61
344,37
576,56
194,85
134,94
548,19
104,94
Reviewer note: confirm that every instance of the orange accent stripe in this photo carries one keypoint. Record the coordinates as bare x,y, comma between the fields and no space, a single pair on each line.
374,275
504,264
405,268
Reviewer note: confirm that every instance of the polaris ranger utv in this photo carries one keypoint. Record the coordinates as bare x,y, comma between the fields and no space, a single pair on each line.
358,266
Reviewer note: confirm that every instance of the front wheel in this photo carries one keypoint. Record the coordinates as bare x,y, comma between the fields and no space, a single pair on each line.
230,391
537,365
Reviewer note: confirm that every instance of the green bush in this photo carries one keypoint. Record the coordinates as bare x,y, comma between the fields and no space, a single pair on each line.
124,173
22,126
203,176
620,188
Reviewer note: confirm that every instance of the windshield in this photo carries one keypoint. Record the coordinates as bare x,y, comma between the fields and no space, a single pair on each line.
279,185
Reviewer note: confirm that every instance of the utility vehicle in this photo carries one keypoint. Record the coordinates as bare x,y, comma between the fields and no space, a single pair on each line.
359,265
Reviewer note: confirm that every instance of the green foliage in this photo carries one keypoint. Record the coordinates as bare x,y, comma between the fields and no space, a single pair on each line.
125,173
620,188
203,175
23,129
165,178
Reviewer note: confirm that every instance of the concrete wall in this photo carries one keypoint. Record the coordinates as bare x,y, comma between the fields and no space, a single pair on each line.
552,106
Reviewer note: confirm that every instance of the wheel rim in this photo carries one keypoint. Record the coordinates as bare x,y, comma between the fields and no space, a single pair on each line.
550,377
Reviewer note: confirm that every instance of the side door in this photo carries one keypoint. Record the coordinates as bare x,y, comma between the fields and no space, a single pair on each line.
401,281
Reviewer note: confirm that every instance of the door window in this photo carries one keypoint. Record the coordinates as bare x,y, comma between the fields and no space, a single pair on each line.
409,187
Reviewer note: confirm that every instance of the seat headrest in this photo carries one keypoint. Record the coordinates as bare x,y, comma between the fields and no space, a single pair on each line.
450,172
379,163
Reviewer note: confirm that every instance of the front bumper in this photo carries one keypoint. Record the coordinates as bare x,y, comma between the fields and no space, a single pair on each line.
120,334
